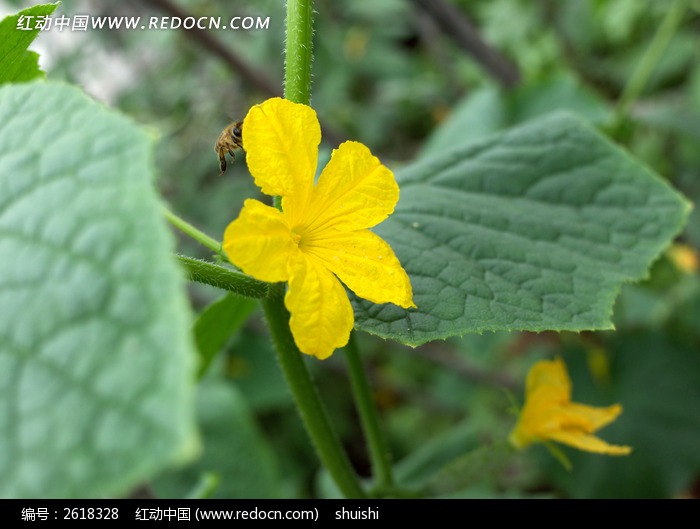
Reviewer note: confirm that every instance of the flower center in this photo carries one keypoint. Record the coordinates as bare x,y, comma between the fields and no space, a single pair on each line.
296,236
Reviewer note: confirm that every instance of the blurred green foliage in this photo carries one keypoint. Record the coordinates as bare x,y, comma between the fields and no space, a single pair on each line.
387,74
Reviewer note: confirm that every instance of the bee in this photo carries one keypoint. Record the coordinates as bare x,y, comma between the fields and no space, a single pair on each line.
230,139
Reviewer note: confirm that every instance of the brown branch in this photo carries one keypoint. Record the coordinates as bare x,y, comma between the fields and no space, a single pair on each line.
429,32
256,77
208,41
457,25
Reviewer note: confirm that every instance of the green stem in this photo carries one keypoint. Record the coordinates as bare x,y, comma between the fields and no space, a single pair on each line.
650,60
379,454
222,277
187,228
307,399
297,77
297,88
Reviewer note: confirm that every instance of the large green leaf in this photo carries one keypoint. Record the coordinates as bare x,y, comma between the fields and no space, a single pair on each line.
534,229
16,63
96,365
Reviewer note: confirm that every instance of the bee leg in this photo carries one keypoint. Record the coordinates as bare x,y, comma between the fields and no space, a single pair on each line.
222,163
233,154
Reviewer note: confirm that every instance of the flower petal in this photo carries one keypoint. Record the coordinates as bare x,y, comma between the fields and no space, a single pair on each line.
519,436
260,242
590,443
595,417
551,375
281,141
365,263
322,316
355,191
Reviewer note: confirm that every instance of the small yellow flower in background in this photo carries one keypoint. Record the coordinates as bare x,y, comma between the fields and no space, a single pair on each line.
549,414
321,235
684,257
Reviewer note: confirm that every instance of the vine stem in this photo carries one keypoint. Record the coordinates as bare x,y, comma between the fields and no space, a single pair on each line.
199,236
379,454
298,57
297,88
306,396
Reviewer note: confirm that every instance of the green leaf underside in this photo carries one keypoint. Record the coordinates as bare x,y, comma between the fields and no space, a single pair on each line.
96,365
16,63
534,229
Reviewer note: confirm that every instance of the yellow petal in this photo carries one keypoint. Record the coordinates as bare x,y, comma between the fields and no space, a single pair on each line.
540,416
595,417
551,375
281,141
355,191
365,263
259,242
590,443
519,436
322,317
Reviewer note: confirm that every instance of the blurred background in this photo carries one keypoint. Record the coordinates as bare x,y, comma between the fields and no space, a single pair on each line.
406,77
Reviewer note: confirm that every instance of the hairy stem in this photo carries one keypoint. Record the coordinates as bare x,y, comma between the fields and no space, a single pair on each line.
297,88
297,76
306,396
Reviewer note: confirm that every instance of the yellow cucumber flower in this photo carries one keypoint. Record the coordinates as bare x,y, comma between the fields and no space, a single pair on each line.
321,235
685,257
549,414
